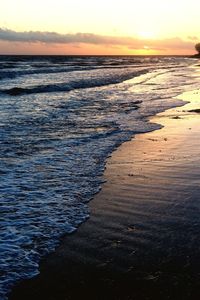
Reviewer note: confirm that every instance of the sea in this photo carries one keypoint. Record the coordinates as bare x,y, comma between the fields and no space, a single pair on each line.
60,119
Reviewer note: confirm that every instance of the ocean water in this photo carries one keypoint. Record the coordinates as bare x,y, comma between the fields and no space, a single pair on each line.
60,118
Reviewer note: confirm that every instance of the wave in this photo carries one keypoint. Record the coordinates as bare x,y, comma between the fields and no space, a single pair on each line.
72,85
16,73
15,66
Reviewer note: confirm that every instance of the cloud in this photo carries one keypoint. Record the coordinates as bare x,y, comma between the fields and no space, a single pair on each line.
193,38
94,39
57,38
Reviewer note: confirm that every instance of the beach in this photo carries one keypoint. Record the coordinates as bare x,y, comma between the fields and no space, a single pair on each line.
142,238
99,150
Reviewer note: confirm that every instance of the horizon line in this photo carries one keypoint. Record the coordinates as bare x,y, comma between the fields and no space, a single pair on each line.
99,55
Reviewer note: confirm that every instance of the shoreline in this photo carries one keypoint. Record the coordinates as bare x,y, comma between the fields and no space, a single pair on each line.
141,240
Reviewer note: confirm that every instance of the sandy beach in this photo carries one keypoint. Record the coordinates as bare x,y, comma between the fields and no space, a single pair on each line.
142,238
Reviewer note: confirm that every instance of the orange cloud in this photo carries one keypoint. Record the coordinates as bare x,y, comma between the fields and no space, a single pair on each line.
38,42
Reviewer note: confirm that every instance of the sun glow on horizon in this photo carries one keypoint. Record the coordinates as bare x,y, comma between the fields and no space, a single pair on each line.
165,27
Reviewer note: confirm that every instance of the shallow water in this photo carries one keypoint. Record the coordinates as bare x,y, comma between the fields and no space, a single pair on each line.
60,118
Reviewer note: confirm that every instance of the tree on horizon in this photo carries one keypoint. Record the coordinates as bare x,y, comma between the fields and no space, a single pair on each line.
197,47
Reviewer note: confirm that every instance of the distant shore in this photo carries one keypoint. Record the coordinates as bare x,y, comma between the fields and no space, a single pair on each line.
196,55
142,239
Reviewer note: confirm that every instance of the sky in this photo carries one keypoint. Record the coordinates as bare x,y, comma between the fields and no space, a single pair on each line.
106,27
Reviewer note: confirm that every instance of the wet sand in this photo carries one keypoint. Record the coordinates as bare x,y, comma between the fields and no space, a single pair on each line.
142,238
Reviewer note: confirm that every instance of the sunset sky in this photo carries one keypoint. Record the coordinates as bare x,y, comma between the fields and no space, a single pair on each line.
99,27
